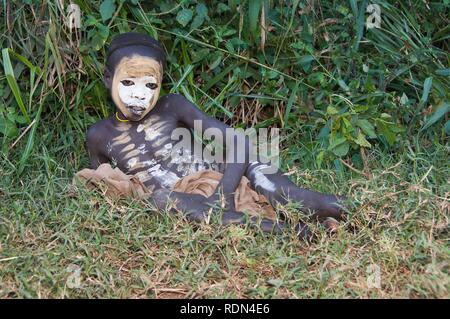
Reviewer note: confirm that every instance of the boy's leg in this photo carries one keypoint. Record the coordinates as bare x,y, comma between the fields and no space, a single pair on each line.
278,189
192,207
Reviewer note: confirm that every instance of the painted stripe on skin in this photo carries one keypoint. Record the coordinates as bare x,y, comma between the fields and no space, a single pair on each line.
144,164
132,154
127,148
124,140
149,122
144,176
151,134
121,136
166,178
123,127
260,179
132,162
160,141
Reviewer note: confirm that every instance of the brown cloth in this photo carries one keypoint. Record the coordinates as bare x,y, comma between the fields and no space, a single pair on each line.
117,184
114,182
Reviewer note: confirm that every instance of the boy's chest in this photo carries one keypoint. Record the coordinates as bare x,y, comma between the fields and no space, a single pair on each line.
138,145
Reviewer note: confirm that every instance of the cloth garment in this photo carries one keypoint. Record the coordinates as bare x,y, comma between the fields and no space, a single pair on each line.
114,182
117,184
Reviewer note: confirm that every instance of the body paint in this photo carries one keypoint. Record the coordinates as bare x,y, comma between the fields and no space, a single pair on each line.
260,179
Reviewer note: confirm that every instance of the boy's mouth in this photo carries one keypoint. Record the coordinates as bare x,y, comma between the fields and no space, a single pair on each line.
138,110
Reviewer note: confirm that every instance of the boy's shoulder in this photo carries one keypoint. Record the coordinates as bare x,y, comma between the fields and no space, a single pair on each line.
172,100
98,130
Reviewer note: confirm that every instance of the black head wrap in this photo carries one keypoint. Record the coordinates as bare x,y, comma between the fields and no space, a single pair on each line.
130,43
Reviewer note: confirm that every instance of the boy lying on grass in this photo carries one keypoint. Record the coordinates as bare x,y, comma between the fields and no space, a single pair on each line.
139,139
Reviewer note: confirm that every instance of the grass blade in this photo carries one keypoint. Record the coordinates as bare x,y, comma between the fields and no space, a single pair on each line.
254,7
426,90
290,103
437,115
30,142
9,73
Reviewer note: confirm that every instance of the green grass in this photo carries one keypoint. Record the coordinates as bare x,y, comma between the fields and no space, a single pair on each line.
126,250
51,92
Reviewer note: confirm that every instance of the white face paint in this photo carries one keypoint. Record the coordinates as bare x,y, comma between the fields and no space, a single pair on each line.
137,92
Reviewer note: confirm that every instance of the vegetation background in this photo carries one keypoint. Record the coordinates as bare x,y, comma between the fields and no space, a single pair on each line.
363,112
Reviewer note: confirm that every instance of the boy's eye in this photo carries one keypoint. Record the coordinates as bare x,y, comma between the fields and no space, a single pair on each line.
127,82
151,85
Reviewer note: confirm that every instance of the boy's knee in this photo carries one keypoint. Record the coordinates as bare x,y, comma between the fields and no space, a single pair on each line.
160,198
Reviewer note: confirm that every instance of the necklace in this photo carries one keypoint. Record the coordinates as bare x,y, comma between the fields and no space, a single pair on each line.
119,119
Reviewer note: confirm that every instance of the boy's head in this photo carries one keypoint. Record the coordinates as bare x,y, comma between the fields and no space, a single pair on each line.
134,72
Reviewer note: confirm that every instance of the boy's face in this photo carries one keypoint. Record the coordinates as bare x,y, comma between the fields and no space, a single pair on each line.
136,84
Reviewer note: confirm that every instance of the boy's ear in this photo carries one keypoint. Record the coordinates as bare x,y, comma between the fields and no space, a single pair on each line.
107,78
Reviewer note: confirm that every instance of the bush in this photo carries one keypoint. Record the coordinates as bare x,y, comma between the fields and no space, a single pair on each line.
309,65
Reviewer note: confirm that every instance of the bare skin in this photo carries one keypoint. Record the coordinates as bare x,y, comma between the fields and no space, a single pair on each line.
138,139
135,152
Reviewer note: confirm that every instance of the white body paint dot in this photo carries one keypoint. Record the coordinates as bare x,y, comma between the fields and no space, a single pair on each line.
142,149
140,128
151,134
166,178
131,162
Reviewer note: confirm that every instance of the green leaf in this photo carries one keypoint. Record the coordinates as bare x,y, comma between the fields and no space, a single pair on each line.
331,110
443,72
386,132
290,103
305,62
222,7
30,142
426,90
8,128
359,25
339,167
447,127
90,21
319,158
201,10
347,125
404,99
9,73
107,9
361,140
99,39
336,141
198,21
316,78
184,17
342,149
437,115
25,61
254,6
216,62
367,128
275,282
343,85
202,15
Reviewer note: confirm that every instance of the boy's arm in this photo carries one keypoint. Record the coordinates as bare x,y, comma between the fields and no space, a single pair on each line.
94,147
235,167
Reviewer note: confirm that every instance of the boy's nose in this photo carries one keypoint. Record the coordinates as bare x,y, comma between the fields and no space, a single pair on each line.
138,96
